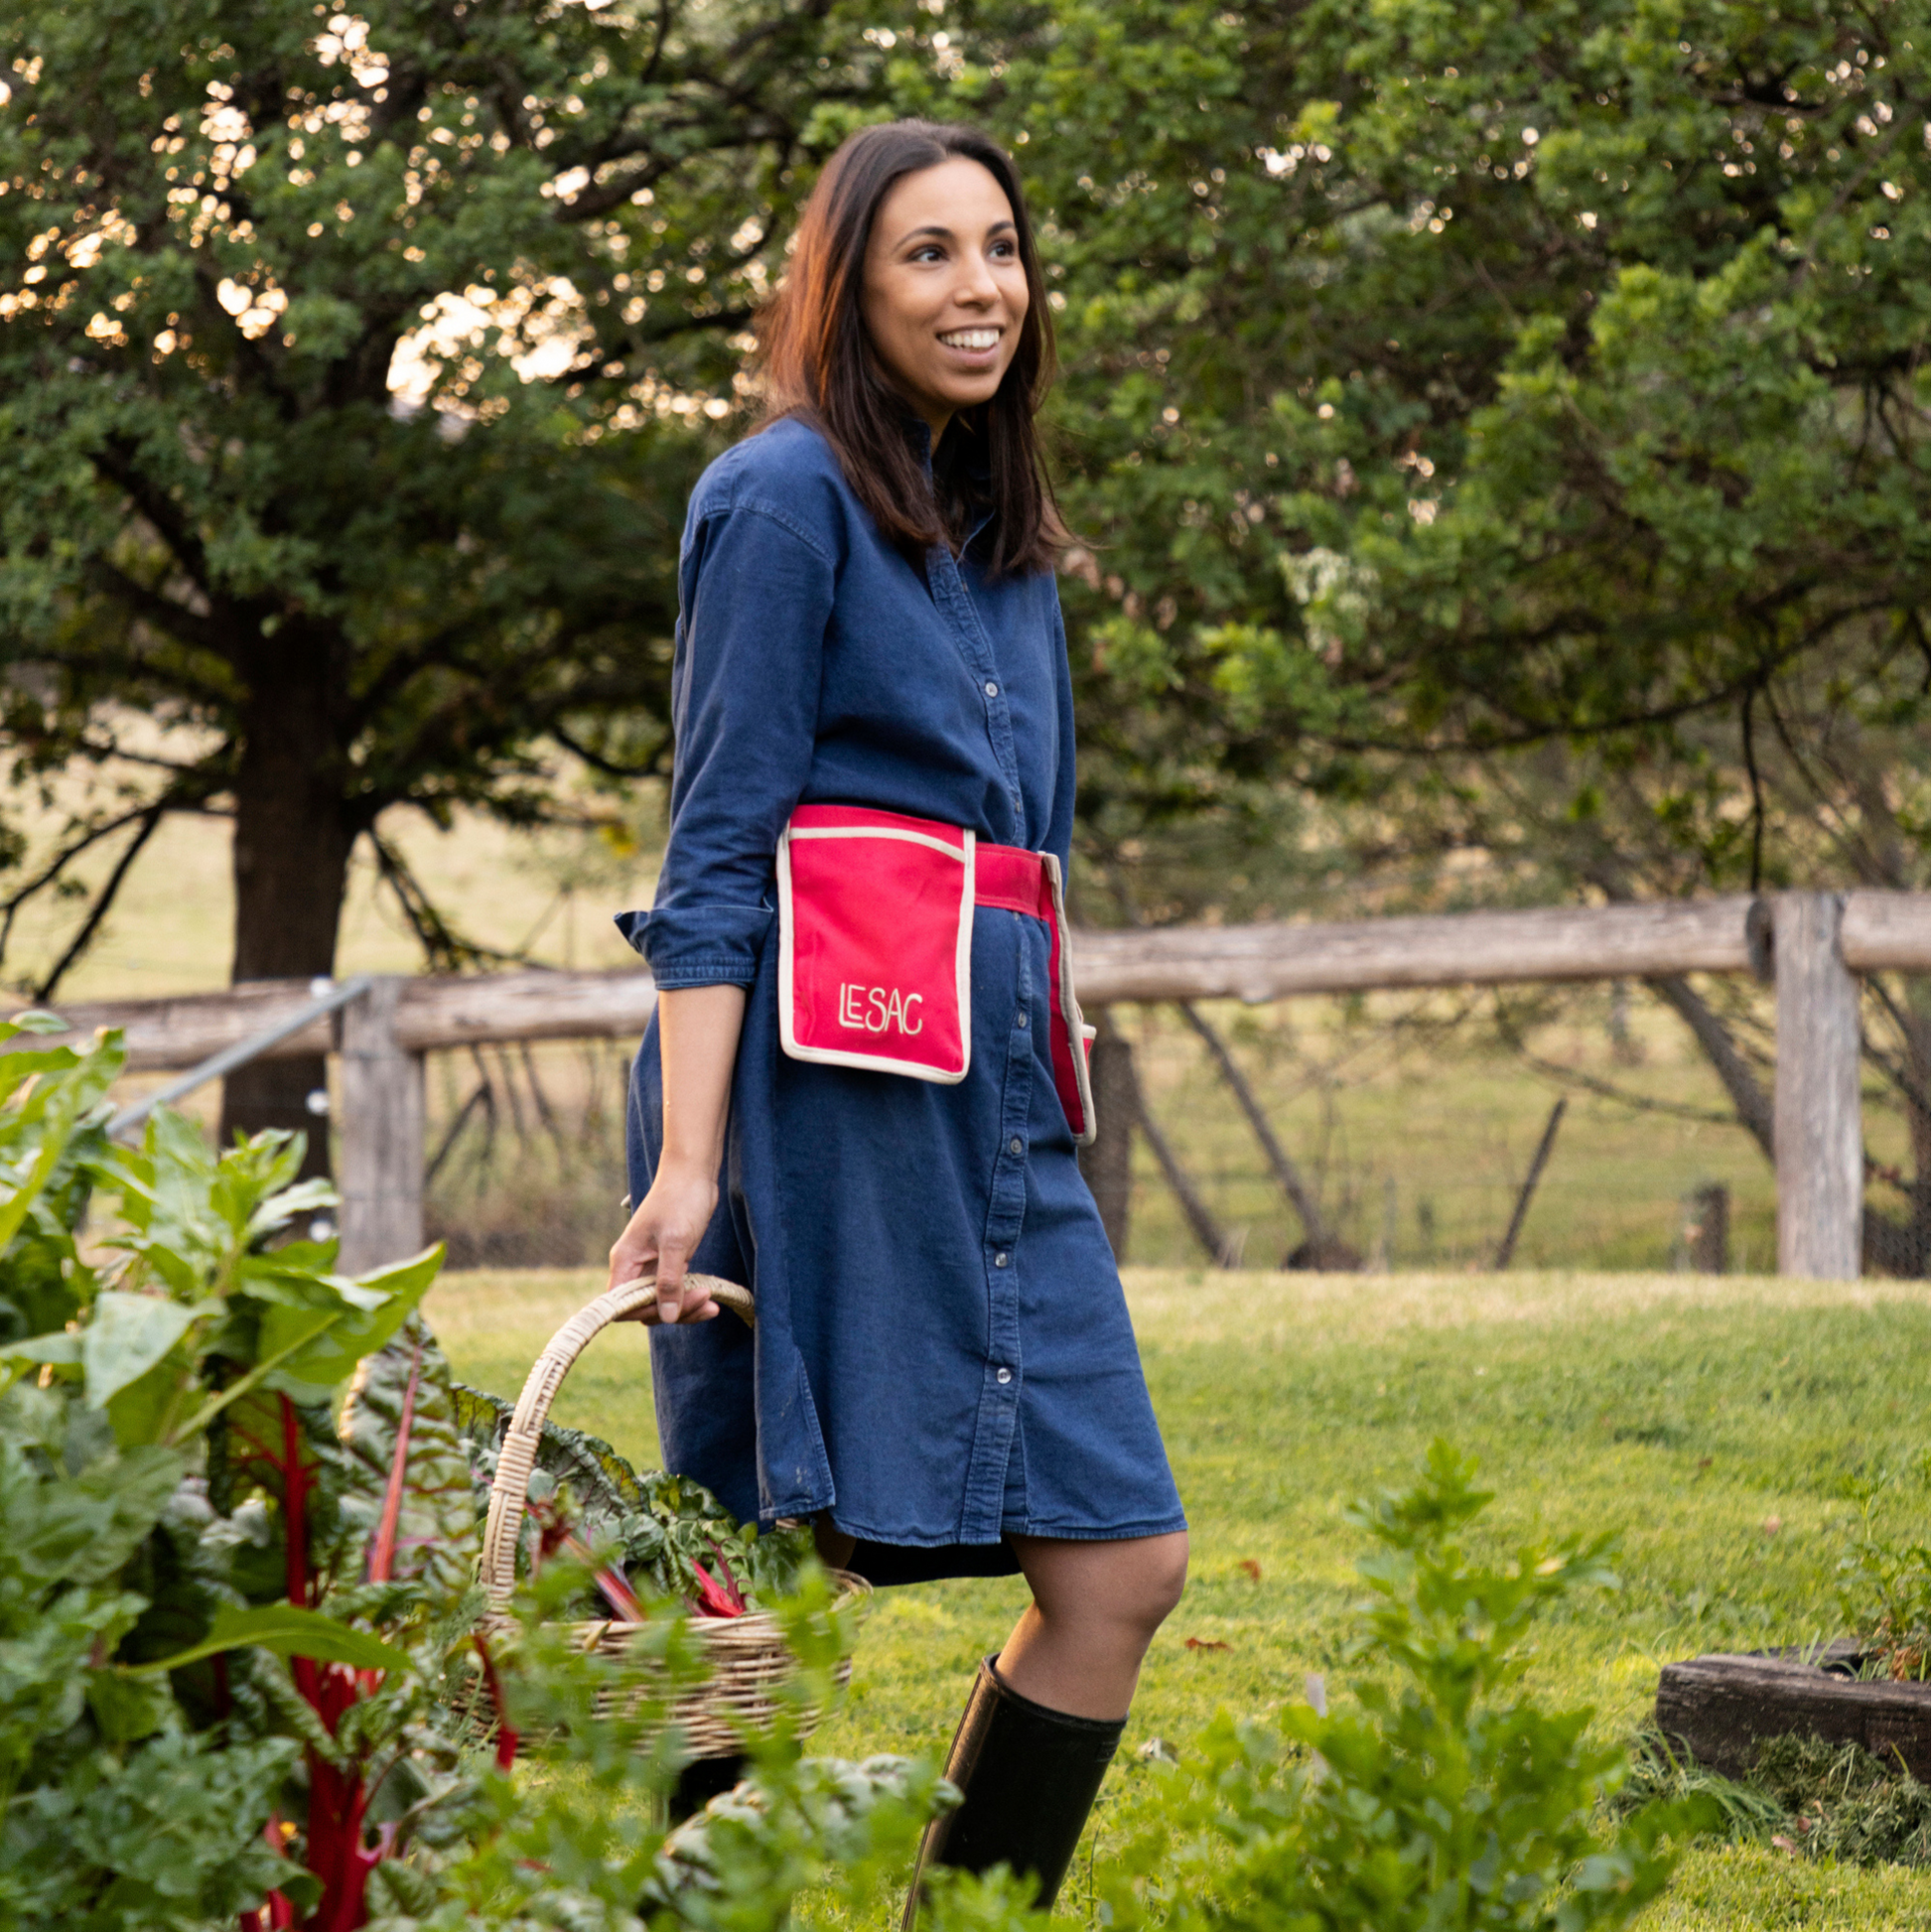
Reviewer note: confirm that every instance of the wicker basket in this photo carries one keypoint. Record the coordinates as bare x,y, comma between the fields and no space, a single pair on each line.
748,1654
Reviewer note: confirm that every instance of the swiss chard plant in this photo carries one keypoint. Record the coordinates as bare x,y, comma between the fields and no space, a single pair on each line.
243,1681
666,1537
211,1679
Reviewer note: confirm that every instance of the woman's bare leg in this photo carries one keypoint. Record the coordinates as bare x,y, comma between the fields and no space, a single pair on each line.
1095,1609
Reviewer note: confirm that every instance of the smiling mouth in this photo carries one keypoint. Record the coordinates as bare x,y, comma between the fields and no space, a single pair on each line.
971,337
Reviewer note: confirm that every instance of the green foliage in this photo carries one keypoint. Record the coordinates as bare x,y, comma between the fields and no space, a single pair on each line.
123,1618
1440,382
352,382
167,1841
1444,1798
219,1611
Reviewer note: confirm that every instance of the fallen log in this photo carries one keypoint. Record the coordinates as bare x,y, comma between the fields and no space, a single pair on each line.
1719,1708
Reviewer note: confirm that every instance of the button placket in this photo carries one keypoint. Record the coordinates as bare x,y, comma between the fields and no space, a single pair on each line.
1008,1207
953,597
999,1408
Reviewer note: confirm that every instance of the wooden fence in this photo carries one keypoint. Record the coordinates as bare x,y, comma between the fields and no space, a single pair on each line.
1813,946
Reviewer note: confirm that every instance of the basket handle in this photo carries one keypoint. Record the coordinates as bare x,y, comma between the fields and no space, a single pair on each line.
517,1457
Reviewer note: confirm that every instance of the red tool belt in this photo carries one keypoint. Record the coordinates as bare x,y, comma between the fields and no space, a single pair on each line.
876,945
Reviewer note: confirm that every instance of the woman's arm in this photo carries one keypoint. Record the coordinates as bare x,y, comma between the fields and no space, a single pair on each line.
697,1033
756,597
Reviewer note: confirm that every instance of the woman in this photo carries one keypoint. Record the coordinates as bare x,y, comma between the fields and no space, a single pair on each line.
942,1376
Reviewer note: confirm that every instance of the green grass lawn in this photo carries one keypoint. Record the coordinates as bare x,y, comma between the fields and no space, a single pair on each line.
1709,1420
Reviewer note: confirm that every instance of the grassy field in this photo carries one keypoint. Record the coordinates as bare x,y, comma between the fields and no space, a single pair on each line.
1709,1420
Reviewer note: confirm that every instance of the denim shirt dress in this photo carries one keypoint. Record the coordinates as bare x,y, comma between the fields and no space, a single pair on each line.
942,1356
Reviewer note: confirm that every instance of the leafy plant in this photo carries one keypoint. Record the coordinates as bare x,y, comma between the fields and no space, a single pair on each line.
1444,1798
202,1622
239,1647
1886,1583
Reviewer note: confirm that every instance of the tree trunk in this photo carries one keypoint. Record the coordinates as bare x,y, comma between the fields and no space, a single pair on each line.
292,840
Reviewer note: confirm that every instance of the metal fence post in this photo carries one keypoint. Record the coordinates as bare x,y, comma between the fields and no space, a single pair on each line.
382,1134
1819,1135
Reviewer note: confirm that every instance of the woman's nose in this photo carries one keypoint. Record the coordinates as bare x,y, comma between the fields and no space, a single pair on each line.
976,283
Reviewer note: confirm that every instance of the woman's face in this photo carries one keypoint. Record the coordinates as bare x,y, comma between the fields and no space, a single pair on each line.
944,290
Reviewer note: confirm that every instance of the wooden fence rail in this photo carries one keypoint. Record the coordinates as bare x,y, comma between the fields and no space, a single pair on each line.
1813,945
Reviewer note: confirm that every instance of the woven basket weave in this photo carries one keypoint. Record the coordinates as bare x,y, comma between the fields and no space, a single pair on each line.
748,1654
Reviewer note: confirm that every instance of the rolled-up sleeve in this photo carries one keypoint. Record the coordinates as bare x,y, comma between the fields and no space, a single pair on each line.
757,590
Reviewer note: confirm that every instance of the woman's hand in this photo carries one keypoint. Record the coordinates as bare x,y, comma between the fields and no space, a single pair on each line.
697,1039
661,1237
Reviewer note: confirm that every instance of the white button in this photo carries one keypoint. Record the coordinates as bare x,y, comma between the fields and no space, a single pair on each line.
1016,1144
1022,1020
992,689
999,1261
1005,1376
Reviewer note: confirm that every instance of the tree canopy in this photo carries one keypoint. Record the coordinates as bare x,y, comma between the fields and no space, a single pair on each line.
353,371
1502,433
1495,430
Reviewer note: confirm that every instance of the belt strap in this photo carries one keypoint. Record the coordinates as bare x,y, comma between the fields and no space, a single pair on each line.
1011,878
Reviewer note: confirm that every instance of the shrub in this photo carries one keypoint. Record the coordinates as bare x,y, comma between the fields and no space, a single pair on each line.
1444,1798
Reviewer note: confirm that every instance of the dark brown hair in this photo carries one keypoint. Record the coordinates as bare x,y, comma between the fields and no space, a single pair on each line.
819,364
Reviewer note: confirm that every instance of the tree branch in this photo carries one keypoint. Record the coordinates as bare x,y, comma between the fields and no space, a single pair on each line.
175,619
115,459
598,762
1286,1172
1593,1083
1752,1103
102,902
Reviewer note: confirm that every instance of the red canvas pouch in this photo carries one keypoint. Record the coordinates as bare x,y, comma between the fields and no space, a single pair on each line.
876,941
876,946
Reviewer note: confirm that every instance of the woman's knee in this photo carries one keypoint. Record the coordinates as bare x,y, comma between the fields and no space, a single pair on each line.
1134,1583
1163,1578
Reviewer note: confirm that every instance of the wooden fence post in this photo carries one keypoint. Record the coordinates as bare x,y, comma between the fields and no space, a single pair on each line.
1108,1163
382,1134
1819,1135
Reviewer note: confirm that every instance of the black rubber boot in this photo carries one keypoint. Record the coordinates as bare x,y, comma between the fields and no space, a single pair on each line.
703,1779
1029,1776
